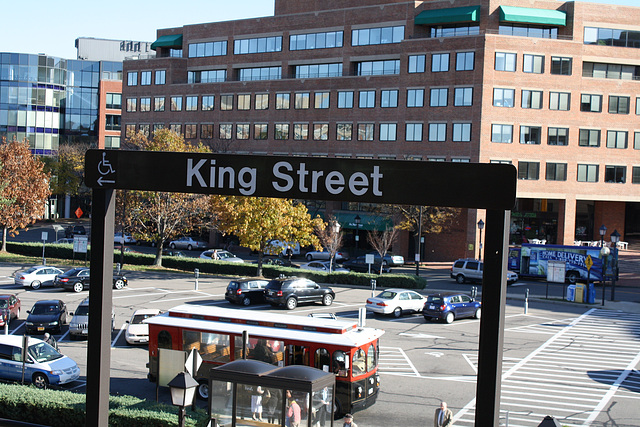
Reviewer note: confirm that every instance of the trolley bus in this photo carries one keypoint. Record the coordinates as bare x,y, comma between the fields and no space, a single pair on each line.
342,347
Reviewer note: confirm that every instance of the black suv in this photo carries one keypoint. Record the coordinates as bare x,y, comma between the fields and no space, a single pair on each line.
290,291
246,291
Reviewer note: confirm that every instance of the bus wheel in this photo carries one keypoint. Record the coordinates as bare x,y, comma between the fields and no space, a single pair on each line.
203,390
572,277
337,410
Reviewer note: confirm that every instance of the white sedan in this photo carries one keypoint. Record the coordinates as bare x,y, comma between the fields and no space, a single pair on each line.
325,255
323,266
137,331
118,238
37,276
396,302
220,255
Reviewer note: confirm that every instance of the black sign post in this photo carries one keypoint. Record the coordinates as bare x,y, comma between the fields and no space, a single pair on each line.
465,185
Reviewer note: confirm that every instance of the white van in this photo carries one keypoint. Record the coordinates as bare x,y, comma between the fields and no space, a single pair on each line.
79,324
44,364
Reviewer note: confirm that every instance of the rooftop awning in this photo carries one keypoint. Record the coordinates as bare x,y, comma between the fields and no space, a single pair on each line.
174,40
367,221
527,15
448,16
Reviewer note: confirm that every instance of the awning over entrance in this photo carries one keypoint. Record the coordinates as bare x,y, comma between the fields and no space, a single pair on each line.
367,221
527,15
174,40
448,16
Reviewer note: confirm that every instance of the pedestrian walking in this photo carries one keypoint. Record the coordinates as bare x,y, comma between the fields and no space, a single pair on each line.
444,416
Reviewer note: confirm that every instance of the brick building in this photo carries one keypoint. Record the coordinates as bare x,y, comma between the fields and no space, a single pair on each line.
553,88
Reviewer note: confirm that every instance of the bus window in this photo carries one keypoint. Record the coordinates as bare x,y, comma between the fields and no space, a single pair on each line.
322,359
190,340
297,355
215,347
359,362
372,358
340,363
164,340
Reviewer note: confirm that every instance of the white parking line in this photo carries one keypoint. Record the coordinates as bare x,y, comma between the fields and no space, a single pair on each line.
115,340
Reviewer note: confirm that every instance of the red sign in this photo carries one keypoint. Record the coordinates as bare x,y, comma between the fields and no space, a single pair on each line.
79,212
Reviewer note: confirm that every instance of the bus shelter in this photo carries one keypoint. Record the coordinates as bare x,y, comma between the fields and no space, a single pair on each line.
253,393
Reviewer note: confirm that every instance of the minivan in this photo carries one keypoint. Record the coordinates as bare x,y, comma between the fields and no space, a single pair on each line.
44,365
79,325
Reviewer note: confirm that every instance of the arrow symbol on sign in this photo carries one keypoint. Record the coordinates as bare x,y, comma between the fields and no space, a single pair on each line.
406,334
105,181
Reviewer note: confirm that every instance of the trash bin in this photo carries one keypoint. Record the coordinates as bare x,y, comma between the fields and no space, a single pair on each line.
571,293
580,292
591,294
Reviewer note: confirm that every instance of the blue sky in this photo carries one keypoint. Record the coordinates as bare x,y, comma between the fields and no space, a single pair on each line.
40,26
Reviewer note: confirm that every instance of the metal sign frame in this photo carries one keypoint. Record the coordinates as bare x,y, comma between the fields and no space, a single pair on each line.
467,185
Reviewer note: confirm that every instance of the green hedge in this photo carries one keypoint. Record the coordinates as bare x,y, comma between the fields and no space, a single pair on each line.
66,409
65,251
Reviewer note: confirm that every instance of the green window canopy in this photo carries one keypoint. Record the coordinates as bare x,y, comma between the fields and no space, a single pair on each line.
174,40
448,16
527,15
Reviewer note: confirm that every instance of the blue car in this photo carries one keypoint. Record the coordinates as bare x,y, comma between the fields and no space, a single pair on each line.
449,306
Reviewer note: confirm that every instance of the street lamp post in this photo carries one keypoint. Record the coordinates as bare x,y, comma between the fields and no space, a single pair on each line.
604,253
183,389
480,227
602,231
615,238
357,219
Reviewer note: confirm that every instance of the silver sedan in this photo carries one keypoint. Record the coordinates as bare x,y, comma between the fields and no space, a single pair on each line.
37,276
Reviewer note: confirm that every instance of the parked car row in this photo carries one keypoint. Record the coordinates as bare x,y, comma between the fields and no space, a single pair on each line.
76,279
285,291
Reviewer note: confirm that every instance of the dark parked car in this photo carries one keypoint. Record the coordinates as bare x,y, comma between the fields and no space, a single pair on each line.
75,230
9,308
359,265
291,291
172,252
246,291
77,279
45,316
449,306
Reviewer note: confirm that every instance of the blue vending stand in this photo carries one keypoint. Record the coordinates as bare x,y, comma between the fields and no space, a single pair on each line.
591,294
571,293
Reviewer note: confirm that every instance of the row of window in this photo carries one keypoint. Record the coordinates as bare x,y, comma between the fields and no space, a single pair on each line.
560,136
585,172
561,101
611,37
507,61
437,132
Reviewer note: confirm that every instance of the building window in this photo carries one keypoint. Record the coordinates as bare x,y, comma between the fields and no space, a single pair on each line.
460,160
635,175
301,101
505,61
282,101
439,97
207,102
205,49
603,70
316,40
132,78
532,99
226,131
321,100
589,138
176,103
528,31
463,97
502,133
560,65
370,36
157,127
437,132
129,131
413,132
131,105
158,104
636,141
616,139
615,174
145,130
112,122
619,104
591,103
465,61
560,101
318,70
281,131
344,131
533,64
191,103
638,106
145,104
556,172
529,170
365,131
558,136
587,173
377,68
262,101
503,97
257,45
244,102
461,132
242,131
161,76
439,62
454,30
206,131
389,99
145,78
415,98
260,73
260,131
320,131
345,99
301,131
226,102
611,37
530,135
190,131
114,101
175,128
112,142
206,76
388,131
417,63
367,99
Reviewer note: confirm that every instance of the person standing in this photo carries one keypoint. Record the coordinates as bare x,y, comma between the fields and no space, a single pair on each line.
294,414
444,416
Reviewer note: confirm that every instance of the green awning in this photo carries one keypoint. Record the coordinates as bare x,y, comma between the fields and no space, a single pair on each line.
527,15
448,16
174,40
367,221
